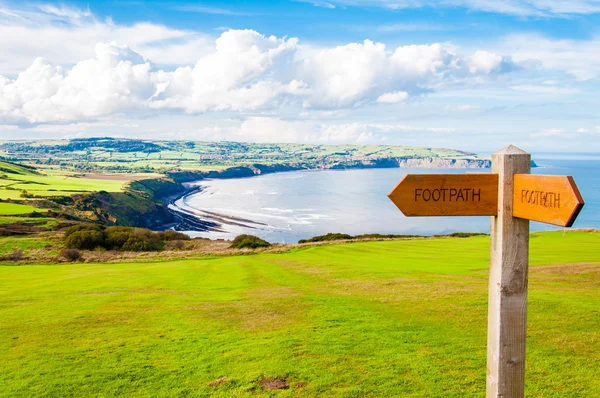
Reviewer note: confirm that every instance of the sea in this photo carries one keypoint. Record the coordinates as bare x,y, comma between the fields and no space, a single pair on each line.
286,207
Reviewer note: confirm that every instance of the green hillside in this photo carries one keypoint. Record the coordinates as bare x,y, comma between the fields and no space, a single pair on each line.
392,318
14,168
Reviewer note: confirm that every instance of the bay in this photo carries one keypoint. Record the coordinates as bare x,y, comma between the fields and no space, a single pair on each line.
286,207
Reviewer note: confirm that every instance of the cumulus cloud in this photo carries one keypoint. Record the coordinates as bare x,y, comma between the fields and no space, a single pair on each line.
69,35
246,71
357,73
117,79
240,74
486,62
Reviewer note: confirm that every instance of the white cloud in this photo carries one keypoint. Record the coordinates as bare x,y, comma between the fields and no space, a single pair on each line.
213,10
359,73
318,3
549,8
246,71
486,62
272,129
393,98
545,89
579,58
71,14
67,36
564,133
116,80
240,74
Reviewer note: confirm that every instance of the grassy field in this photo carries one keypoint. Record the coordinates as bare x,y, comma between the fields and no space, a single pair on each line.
9,209
28,185
394,318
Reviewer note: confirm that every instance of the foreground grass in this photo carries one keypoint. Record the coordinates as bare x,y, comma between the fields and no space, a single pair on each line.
403,318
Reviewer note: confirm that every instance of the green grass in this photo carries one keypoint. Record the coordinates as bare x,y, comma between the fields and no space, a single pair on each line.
10,243
13,168
41,221
54,184
392,318
15,209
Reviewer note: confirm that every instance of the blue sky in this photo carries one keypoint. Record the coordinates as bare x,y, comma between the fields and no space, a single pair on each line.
469,74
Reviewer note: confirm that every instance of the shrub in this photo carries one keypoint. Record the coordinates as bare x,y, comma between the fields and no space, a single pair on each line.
16,255
460,235
141,240
71,254
327,237
115,237
175,245
248,242
91,236
173,235
82,227
465,234
85,240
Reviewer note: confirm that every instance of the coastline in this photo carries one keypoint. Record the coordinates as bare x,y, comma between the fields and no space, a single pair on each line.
181,185
195,219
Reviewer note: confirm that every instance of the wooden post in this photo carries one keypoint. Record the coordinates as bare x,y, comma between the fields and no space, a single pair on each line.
507,305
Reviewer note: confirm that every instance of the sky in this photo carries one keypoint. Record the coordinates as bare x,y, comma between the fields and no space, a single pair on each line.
468,74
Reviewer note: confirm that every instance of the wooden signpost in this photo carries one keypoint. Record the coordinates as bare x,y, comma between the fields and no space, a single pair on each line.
512,197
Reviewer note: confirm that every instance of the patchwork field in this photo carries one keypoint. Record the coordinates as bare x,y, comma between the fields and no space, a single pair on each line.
393,318
50,182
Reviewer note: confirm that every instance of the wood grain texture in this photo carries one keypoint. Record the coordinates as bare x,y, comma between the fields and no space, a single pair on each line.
548,199
446,195
507,300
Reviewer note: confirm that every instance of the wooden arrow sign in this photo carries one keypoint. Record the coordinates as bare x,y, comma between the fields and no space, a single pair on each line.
447,195
548,199
512,198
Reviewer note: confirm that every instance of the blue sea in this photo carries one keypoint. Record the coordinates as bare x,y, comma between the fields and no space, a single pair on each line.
286,207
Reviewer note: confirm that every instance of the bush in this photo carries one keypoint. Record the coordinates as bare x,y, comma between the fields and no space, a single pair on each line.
16,255
175,245
71,254
249,242
115,237
173,235
143,240
82,227
85,240
460,235
327,237
91,236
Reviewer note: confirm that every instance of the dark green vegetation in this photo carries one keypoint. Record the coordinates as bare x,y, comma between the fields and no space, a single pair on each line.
92,236
390,318
246,241
338,236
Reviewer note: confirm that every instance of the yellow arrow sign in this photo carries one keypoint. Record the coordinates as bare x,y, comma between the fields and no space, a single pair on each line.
447,195
548,199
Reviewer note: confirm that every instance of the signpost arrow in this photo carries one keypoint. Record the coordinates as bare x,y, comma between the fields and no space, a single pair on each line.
512,197
447,195
548,199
